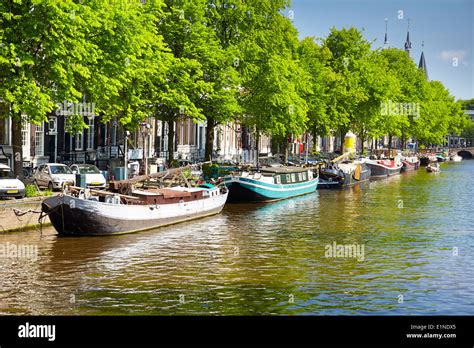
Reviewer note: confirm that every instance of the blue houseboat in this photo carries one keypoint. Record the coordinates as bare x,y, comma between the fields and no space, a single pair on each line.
270,184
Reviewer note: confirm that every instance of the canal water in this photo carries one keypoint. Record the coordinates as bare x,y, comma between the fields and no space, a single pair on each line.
416,232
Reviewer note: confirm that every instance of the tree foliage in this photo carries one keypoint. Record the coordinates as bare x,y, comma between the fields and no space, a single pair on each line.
212,61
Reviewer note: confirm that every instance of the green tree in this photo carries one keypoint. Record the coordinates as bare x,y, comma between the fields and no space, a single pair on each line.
344,87
440,115
467,104
229,21
468,132
313,59
412,90
274,82
55,51
381,88
185,87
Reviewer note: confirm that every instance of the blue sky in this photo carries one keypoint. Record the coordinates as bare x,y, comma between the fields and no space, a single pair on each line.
445,26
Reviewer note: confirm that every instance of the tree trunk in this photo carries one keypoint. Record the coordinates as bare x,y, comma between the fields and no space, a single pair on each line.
17,144
275,143
155,139
389,145
257,138
362,140
314,142
285,150
342,141
209,148
171,134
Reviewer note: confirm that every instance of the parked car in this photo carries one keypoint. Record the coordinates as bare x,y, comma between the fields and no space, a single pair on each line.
10,186
54,176
93,176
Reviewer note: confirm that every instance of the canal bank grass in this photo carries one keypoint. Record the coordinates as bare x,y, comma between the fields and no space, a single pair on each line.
32,190
28,210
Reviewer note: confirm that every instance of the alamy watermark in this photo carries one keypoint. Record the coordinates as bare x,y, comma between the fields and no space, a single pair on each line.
391,108
67,109
335,250
19,251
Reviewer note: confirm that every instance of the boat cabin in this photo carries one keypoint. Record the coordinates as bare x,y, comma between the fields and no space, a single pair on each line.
153,196
286,175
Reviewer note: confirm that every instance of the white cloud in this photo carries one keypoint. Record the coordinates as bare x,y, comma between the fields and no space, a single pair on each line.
449,55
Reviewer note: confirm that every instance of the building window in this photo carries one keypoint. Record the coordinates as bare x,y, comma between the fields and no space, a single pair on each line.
39,140
79,141
25,134
90,134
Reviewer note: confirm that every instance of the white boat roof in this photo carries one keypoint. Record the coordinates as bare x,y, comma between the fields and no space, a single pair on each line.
185,189
175,188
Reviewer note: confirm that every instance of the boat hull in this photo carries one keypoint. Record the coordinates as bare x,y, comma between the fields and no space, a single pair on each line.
329,184
343,179
432,169
424,161
408,166
249,190
72,216
378,170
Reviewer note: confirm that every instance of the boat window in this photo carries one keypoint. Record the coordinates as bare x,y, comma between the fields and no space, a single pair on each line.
288,178
277,179
303,175
293,177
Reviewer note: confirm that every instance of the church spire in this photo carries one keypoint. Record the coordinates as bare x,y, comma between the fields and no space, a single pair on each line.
422,64
385,42
408,42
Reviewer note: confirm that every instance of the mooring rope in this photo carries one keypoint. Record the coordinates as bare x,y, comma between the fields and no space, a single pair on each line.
19,212
43,215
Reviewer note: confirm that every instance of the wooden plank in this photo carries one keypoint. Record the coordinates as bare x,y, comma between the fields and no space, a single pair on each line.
140,178
103,193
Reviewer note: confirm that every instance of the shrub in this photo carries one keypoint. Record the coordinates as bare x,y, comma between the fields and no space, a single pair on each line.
47,193
31,191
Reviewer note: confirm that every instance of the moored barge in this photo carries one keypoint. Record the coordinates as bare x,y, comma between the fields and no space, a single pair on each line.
81,213
383,168
270,184
343,174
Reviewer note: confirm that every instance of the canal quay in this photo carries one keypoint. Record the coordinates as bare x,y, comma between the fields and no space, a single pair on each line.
413,233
